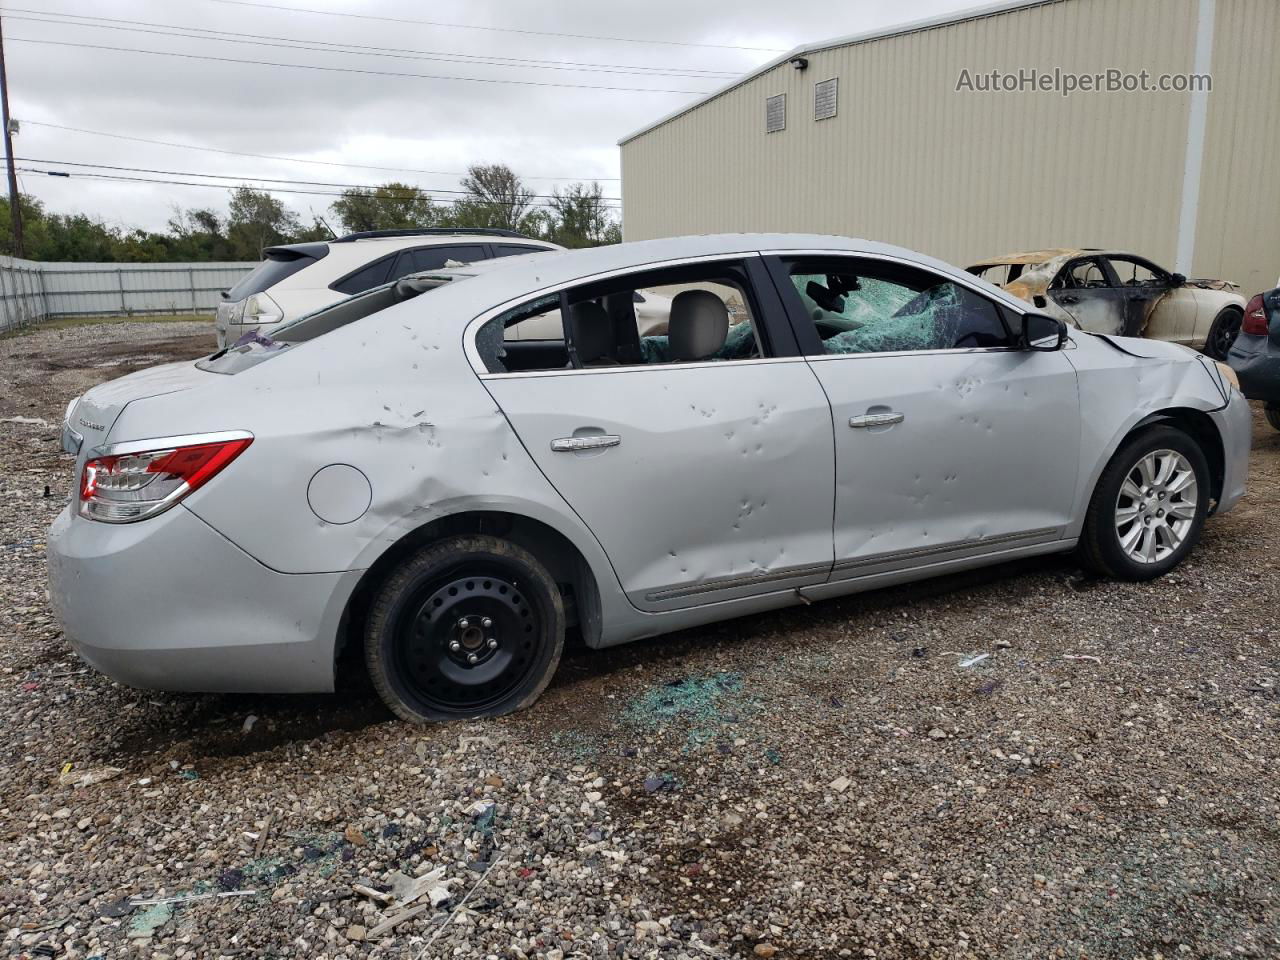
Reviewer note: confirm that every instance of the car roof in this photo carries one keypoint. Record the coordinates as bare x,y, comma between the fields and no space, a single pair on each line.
318,248
1042,257
511,278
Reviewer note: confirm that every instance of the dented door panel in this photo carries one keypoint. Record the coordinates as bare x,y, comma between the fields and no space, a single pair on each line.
984,456
719,485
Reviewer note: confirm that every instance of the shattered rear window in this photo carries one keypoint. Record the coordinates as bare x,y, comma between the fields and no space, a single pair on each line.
491,338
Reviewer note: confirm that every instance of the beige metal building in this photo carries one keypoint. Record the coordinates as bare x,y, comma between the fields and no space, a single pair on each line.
870,136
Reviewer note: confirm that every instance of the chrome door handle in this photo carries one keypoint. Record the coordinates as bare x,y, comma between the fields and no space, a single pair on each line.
574,444
877,420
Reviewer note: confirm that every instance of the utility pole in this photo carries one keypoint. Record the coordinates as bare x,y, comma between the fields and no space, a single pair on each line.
15,207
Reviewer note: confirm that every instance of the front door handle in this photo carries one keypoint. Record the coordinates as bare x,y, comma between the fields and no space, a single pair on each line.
576,444
1068,299
877,420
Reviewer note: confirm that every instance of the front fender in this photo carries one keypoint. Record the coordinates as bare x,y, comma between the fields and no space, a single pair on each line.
1120,391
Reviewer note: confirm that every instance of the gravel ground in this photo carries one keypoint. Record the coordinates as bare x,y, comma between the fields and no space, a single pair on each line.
828,781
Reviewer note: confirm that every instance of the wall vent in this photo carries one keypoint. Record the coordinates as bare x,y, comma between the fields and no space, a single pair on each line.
824,99
775,113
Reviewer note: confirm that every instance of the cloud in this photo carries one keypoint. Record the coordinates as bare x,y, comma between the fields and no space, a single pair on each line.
356,118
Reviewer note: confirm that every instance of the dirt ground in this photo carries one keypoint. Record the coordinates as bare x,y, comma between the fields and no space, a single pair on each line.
833,780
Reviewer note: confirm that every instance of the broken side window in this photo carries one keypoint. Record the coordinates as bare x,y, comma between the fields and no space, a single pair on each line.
872,307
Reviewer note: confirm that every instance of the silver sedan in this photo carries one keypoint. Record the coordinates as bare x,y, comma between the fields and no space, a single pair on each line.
394,485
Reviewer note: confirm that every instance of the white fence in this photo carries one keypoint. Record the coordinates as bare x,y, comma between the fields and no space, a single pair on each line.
32,291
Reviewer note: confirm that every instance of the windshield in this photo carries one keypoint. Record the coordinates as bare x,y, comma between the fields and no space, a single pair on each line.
999,273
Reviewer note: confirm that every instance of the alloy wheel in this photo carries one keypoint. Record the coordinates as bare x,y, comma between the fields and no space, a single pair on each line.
1224,335
1156,508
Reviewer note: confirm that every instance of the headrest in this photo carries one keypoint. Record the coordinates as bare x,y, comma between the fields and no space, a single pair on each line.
698,325
592,332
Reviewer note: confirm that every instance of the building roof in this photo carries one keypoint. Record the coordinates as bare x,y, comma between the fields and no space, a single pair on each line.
914,26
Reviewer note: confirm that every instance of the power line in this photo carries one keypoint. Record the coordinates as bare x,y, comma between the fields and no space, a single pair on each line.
280,159
319,46
225,186
328,69
407,191
471,26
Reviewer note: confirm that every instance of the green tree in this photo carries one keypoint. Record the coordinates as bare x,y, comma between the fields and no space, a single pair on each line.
34,229
77,237
317,231
391,206
494,198
580,217
197,235
256,220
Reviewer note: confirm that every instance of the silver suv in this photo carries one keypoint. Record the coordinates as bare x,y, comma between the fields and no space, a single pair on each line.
821,416
297,278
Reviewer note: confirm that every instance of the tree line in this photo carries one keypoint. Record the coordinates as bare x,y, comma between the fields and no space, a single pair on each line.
491,195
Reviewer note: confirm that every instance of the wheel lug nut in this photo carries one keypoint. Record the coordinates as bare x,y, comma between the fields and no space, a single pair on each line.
486,623
463,623
455,646
493,644
472,658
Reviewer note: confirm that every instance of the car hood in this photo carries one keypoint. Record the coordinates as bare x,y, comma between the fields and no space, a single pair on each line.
94,413
1150,349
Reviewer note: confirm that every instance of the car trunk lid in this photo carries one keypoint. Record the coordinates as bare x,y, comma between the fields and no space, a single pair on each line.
91,417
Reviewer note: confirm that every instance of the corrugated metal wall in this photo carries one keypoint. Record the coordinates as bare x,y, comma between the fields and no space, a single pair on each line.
1238,229
31,291
964,175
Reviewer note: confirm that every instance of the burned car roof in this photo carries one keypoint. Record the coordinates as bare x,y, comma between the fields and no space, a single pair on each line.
1035,256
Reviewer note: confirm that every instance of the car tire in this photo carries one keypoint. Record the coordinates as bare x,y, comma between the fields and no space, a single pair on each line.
470,626
1223,333
1272,412
1143,521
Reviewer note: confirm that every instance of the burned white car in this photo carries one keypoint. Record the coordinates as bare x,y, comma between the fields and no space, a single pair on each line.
395,479
1122,294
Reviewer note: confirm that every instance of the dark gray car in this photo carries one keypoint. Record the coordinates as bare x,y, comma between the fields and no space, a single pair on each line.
1255,355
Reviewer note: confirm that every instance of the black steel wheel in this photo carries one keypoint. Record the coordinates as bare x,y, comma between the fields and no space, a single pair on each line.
472,626
1223,333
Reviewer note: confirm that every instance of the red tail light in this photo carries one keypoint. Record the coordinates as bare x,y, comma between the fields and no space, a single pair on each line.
133,484
1255,318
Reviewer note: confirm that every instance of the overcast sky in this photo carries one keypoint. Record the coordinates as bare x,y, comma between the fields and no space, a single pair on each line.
548,134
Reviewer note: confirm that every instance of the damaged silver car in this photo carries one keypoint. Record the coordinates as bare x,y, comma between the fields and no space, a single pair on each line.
1123,294
394,485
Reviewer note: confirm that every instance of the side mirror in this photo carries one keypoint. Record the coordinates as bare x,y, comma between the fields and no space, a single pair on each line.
1042,333
1178,280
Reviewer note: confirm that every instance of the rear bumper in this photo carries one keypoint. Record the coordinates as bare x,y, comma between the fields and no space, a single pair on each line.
1256,361
170,604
